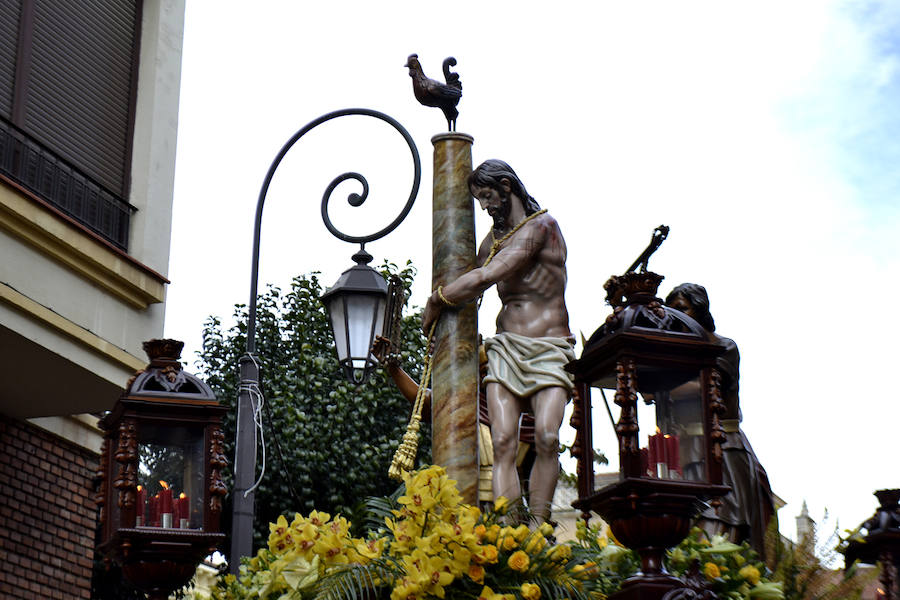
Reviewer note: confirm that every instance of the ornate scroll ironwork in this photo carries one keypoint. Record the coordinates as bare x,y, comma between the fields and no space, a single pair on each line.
353,199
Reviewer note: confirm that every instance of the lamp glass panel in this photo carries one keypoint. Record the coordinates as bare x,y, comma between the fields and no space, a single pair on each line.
680,445
365,314
171,475
337,314
671,435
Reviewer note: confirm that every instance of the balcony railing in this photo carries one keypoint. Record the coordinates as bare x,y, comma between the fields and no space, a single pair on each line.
36,168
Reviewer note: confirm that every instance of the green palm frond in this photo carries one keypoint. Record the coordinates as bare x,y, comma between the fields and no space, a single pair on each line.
355,581
369,515
553,589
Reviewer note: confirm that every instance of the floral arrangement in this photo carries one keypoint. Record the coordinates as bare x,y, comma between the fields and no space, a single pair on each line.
432,546
734,571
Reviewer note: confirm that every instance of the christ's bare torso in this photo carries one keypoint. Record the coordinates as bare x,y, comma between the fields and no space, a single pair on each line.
533,293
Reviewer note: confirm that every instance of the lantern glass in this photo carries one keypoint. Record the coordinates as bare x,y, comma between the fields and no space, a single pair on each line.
355,317
676,446
170,476
669,412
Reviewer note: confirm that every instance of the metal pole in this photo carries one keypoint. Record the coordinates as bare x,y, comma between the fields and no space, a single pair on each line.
454,405
245,466
245,443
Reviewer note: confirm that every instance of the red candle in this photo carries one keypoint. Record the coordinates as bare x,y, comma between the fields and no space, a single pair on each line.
657,453
183,508
141,506
165,505
673,453
154,511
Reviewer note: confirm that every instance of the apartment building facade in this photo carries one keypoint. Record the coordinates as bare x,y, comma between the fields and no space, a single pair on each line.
89,95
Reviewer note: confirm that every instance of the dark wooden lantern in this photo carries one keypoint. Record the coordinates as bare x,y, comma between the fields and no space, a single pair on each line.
160,474
669,359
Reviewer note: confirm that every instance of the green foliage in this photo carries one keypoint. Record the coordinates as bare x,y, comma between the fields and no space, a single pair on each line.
328,442
807,570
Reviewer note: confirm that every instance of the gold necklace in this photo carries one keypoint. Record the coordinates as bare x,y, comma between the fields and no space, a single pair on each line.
497,243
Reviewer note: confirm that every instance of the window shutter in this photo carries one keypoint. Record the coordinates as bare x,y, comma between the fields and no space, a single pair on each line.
9,36
78,97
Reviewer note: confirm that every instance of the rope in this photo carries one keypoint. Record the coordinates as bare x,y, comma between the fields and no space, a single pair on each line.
257,401
405,457
496,245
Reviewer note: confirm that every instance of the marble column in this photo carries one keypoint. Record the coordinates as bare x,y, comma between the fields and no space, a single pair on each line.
454,412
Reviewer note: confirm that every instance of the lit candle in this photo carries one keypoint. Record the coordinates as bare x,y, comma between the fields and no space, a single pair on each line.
165,505
141,506
184,511
154,511
673,455
658,455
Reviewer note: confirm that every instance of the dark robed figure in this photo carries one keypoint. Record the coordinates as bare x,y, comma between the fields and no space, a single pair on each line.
745,512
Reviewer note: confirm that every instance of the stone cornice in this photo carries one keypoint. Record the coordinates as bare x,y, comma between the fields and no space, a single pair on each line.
75,332
75,247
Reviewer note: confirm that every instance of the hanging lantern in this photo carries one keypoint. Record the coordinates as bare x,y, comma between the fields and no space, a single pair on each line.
649,353
355,305
160,474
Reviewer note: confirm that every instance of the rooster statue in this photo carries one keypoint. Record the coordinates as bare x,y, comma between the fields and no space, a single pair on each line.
434,93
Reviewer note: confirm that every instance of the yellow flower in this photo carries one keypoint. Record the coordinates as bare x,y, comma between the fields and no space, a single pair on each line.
318,518
480,531
588,569
560,553
530,591
501,505
750,573
280,539
545,529
509,542
492,533
521,532
476,573
429,572
486,593
536,544
487,555
459,564
519,561
406,589
711,570
370,549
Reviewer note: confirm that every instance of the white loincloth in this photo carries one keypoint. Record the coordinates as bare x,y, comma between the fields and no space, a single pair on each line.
526,365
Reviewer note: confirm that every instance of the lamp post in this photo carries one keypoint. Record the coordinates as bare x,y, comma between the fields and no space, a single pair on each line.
355,305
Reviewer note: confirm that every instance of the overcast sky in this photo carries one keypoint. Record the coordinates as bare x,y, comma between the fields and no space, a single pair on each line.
765,134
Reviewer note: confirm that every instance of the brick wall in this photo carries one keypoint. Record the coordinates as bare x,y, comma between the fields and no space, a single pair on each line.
47,517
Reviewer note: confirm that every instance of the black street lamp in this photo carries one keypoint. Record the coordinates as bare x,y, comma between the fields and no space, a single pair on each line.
355,305
356,308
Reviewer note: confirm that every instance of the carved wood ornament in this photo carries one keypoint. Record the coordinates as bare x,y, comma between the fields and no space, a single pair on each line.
627,427
127,456
103,487
217,462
